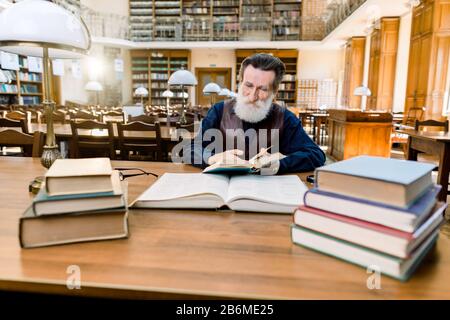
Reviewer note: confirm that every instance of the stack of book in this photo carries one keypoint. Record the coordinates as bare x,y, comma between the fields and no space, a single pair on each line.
83,200
373,212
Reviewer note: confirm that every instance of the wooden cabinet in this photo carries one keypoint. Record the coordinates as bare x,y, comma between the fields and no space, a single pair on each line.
354,70
353,133
428,58
383,61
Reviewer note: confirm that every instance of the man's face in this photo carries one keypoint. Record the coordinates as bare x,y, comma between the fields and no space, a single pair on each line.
257,84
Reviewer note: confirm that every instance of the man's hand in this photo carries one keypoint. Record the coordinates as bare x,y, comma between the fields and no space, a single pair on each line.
228,157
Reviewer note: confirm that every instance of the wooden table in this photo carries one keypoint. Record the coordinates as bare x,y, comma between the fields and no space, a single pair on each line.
436,143
318,119
193,254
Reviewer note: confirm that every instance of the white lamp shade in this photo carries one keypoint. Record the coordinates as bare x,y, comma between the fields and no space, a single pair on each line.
141,92
93,86
362,91
232,94
224,92
25,24
3,77
211,88
182,77
167,94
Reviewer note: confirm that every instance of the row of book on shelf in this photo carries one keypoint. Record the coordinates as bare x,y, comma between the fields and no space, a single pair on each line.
369,211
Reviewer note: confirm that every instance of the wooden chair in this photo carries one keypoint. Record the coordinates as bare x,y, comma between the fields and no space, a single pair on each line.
143,118
8,123
58,117
414,113
431,123
419,125
139,145
31,145
89,145
18,115
112,116
84,115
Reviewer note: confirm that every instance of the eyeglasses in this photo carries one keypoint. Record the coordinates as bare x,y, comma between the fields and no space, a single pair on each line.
137,172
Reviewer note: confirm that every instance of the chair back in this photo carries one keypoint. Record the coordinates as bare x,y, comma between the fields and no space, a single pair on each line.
92,142
84,115
143,118
130,141
431,123
58,117
414,113
112,116
8,123
31,144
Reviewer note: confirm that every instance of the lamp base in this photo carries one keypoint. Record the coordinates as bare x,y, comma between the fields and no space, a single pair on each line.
50,154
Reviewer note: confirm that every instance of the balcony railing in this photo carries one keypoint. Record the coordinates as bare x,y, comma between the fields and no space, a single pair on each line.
337,11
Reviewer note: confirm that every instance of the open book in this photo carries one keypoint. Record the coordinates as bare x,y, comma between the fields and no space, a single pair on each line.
277,194
242,167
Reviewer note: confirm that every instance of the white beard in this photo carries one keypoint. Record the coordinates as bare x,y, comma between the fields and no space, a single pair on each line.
252,112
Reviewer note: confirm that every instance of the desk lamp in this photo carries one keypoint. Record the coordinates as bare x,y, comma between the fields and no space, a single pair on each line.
182,78
44,29
141,92
224,92
211,89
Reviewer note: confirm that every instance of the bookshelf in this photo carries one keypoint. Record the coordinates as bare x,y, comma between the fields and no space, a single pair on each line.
167,20
287,92
25,87
225,19
197,20
152,69
215,20
255,19
286,20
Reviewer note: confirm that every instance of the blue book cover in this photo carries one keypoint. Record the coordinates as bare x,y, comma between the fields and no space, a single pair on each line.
43,196
401,172
417,208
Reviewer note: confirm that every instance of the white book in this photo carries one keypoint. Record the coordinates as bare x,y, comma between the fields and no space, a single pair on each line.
273,194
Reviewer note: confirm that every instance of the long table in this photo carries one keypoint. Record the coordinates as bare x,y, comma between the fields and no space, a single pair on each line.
193,254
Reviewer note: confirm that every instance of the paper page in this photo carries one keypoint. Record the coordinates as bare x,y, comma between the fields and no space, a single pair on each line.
286,190
179,185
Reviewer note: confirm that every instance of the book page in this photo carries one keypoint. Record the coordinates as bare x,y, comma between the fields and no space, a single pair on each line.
285,190
180,185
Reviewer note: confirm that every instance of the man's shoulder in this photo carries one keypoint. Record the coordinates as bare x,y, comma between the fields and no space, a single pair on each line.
289,116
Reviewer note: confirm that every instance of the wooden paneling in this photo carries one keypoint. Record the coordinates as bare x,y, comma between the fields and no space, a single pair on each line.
429,55
383,61
354,70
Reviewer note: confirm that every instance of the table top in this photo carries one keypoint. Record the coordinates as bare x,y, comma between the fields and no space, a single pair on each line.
440,136
176,253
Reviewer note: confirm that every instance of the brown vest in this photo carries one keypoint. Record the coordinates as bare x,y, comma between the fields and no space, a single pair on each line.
266,132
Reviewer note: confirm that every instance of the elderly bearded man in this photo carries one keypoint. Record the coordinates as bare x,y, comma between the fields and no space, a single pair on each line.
242,120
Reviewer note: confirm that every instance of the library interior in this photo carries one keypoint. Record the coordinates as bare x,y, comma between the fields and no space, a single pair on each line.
225,149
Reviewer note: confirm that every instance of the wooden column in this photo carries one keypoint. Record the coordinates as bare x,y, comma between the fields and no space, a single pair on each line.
383,60
354,70
428,58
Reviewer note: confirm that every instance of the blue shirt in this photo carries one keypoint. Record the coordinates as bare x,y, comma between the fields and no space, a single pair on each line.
302,154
